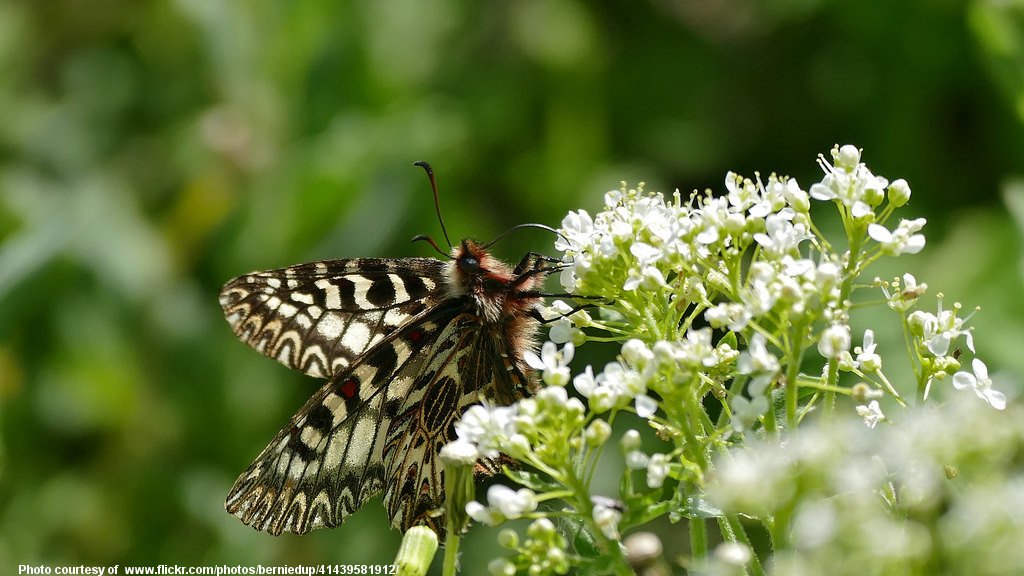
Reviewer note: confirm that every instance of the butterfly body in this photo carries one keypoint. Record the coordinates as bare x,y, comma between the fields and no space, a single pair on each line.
406,345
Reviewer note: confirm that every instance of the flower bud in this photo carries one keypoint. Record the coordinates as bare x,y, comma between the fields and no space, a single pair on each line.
846,157
630,441
541,528
518,446
459,453
899,192
861,393
508,538
597,433
501,567
874,196
636,353
796,197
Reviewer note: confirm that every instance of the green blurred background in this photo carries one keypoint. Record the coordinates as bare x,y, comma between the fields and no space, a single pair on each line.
152,149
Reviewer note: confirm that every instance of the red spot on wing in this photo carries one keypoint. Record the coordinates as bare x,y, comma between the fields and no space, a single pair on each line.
349,388
416,335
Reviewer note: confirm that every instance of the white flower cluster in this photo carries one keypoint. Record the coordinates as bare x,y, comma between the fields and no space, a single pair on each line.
665,366
657,257
862,501
723,299
665,242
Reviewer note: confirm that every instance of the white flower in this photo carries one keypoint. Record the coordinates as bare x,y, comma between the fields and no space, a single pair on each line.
939,331
758,297
747,412
756,358
577,229
781,236
646,406
575,268
952,327
563,320
834,341
904,299
607,520
562,331
867,360
504,503
487,427
981,384
460,453
697,351
872,413
657,470
480,513
644,253
849,182
511,503
741,192
911,289
622,380
552,362
603,399
903,240
585,383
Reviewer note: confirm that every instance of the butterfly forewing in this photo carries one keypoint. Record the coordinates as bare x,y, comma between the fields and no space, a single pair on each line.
407,344
318,317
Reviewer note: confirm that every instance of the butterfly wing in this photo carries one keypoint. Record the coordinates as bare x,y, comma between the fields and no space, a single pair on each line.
328,460
470,361
319,317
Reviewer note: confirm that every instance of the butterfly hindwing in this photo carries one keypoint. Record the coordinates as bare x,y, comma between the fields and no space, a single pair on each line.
467,364
319,317
328,460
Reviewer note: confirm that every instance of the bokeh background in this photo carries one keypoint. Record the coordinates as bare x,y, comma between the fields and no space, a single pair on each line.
152,149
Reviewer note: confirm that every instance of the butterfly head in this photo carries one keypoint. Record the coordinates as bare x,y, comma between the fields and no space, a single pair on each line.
474,269
495,287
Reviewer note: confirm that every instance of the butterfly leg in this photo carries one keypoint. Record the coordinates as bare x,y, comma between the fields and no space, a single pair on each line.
534,262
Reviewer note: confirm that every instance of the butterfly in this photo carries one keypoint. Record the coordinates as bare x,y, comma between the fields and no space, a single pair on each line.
406,346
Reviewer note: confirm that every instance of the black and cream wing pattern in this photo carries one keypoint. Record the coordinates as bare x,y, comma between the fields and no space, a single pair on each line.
406,345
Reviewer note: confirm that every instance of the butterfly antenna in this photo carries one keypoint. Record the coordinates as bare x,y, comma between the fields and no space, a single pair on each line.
429,240
437,203
528,225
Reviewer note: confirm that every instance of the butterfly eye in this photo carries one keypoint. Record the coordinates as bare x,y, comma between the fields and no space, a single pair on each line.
469,264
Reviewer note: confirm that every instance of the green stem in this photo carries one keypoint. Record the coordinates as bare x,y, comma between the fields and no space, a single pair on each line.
451,554
698,539
796,353
771,427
